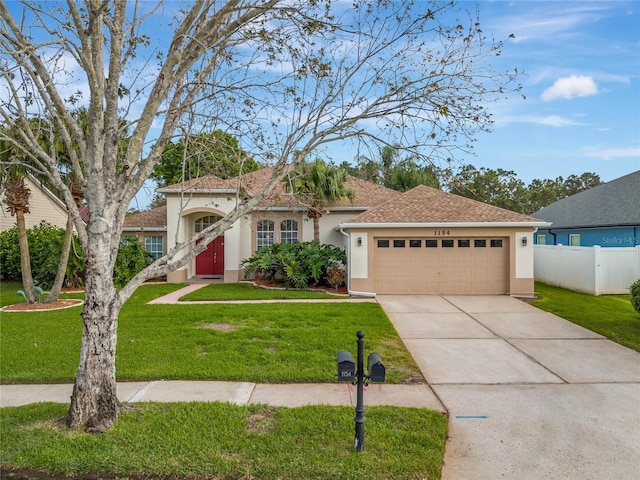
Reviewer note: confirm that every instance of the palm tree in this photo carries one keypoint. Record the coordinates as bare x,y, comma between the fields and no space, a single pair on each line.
17,197
318,186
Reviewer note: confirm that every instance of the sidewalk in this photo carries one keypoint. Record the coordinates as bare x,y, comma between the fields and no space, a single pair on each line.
241,393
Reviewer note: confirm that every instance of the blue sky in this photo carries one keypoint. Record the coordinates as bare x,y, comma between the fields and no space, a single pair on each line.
582,88
581,62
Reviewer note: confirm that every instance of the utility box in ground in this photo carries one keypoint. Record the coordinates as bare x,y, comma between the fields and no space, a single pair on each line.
346,367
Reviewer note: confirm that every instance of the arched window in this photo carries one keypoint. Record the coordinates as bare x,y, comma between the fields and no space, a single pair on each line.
265,231
288,231
205,222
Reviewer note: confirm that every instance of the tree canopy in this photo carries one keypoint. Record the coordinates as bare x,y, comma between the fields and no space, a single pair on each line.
503,189
195,155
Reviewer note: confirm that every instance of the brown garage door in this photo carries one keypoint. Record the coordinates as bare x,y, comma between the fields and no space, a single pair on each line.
437,265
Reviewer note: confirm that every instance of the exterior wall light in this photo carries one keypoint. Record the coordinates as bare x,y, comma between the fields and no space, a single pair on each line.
524,241
359,241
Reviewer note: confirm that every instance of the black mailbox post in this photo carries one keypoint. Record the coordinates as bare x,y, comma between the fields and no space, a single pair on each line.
349,372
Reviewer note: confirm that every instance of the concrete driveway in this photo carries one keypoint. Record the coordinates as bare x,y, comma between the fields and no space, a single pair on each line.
529,395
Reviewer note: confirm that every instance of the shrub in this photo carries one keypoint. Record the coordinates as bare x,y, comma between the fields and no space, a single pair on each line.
45,248
336,277
635,295
132,257
298,265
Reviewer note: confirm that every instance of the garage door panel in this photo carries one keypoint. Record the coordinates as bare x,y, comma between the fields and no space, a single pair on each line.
449,270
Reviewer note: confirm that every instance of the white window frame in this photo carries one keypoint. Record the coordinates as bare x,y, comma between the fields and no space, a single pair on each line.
541,239
205,222
154,244
573,238
288,231
265,237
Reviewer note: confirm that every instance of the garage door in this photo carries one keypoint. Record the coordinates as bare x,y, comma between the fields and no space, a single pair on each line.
437,265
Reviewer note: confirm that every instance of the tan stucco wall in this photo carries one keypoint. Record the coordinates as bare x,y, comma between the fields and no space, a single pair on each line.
520,283
177,276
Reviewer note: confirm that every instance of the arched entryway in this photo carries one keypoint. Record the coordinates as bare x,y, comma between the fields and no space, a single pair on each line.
211,261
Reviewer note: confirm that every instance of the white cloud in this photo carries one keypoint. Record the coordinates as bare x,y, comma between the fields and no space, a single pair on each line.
612,153
556,121
570,87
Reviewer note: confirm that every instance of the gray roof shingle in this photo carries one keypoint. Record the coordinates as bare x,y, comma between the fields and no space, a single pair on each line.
614,203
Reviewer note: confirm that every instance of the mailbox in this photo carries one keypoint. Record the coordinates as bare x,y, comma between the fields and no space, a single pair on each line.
375,367
346,367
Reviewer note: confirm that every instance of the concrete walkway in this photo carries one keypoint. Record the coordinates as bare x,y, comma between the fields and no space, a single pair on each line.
529,395
241,393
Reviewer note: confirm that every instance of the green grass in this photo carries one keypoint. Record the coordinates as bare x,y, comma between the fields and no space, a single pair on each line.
8,295
243,291
225,441
275,342
609,315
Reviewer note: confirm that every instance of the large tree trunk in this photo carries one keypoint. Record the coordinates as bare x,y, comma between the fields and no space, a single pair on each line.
94,403
25,260
62,264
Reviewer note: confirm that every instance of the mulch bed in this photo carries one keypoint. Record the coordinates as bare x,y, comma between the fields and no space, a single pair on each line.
280,286
42,307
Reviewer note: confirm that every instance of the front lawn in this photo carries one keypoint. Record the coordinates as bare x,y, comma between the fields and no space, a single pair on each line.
243,291
264,342
609,315
226,441
274,342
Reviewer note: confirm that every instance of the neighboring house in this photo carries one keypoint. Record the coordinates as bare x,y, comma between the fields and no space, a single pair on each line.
150,227
43,205
420,241
607,215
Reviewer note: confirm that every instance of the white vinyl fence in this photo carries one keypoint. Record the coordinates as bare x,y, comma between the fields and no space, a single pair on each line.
594,270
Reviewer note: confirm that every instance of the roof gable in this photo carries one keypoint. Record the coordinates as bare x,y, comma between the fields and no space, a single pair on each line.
424,204
609,204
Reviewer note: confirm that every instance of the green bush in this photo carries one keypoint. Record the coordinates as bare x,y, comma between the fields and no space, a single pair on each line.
132,257
45,248
298,265
635,295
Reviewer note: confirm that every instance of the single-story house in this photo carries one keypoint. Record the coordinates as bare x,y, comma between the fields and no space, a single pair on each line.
607,215
421,241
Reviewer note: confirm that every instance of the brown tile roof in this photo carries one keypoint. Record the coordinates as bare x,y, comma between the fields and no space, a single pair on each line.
208,182
154,218
367,194
424,204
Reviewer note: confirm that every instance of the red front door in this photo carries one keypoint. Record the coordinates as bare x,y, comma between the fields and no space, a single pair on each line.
211,261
